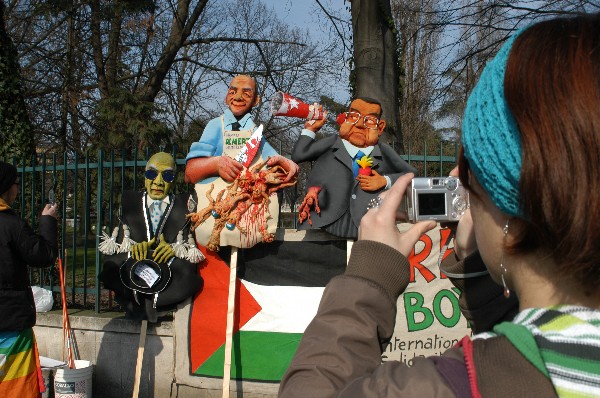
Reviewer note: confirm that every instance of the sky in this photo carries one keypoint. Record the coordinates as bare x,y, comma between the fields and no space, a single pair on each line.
308,14
301,12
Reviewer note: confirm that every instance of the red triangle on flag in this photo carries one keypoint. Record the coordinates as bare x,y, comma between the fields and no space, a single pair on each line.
208,319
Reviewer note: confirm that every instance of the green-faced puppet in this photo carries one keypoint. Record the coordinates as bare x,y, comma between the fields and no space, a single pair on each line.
160,174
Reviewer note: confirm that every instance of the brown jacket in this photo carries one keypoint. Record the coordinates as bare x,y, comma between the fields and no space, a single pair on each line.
340,352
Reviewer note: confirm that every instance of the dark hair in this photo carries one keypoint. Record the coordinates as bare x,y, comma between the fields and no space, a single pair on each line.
370,100
552,87
8,176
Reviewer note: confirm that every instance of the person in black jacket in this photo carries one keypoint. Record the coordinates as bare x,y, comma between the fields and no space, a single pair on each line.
20,247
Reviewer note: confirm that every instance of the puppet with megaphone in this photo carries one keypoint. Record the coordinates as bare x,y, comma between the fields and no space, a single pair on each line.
350,169
283,104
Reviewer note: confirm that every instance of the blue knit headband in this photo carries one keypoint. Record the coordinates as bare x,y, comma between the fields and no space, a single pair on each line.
491,138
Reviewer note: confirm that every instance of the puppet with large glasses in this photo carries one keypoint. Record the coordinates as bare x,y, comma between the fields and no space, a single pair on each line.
350,169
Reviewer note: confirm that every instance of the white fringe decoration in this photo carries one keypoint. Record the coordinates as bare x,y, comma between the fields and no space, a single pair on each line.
179,247
125,246
109,246
194,255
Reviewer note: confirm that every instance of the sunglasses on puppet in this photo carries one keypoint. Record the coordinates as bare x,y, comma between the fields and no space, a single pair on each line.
167,175
369,121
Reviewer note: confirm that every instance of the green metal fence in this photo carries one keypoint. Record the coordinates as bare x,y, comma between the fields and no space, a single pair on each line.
88,190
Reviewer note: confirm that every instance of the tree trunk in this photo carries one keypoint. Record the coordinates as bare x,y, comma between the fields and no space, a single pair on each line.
375,59
96,42
181,28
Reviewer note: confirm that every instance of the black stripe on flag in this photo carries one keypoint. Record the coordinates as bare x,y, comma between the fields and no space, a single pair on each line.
293,263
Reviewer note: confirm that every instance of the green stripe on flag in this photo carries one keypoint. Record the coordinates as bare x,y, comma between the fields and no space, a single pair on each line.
261,356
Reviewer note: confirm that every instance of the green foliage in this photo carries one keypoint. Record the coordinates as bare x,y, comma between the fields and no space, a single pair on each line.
194,132
129,122
15,127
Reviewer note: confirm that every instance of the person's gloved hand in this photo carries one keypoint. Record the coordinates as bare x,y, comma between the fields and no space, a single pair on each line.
139,251
163,251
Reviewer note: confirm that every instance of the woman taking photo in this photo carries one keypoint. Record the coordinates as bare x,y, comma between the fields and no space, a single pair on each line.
20,246
529,158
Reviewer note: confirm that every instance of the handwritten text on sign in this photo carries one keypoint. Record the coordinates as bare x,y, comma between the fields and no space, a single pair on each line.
429,320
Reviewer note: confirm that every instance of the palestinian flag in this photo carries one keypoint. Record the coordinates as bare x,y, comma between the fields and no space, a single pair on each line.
279,288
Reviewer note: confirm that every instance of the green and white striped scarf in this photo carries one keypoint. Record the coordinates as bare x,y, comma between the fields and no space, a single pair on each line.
562,342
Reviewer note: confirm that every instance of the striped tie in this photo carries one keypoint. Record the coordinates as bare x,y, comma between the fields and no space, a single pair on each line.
155,214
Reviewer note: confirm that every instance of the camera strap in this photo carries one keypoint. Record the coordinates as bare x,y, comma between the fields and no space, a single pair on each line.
453,275
466,276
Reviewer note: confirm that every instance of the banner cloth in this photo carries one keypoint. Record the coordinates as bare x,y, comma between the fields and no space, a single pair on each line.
279,291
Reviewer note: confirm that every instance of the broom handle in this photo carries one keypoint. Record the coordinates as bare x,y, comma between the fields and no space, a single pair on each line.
140,359
70,331
66,324
230,318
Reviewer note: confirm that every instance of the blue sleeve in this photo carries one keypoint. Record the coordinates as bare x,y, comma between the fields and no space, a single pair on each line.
210,143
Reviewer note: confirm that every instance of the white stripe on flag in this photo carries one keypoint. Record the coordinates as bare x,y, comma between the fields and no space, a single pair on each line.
285,309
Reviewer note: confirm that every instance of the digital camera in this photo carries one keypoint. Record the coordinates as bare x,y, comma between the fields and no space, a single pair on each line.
437,199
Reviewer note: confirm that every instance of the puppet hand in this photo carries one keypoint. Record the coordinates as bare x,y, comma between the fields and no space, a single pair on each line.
290,167
139,251
228,168
163,251
312,199
315,125
379,223
371,183
303,215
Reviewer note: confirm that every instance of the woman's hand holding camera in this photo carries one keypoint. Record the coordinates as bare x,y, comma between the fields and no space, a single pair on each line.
464,240
464,236
50,210
379,223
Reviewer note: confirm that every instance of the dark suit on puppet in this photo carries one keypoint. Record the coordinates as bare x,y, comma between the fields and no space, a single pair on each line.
342,201
185,278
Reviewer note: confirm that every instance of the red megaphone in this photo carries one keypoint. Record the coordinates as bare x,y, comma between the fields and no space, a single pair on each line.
283,104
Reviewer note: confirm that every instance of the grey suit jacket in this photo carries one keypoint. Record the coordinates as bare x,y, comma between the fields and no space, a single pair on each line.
341,199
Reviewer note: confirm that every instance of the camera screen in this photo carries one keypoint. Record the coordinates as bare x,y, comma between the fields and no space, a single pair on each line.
432,204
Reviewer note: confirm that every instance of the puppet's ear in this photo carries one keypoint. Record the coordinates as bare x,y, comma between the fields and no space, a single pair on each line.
381,126
341,118
256,100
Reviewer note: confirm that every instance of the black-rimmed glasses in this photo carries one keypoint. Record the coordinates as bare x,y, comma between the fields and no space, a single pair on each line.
167,175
